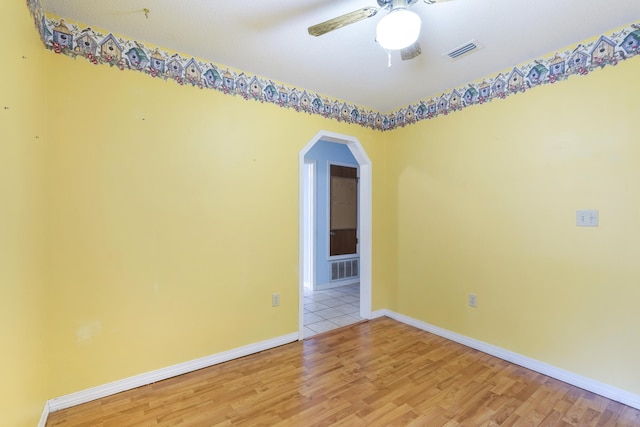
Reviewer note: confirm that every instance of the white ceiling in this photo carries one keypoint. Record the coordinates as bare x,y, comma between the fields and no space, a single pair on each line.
270,39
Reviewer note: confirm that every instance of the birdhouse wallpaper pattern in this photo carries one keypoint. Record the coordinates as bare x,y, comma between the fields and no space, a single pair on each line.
105,48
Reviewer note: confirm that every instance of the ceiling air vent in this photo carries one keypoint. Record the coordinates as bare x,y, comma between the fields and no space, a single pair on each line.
463,50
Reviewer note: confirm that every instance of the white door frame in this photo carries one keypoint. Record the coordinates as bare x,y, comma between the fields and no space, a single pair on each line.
364,221
309,222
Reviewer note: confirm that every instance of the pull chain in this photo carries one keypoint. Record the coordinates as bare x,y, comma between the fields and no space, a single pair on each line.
389,58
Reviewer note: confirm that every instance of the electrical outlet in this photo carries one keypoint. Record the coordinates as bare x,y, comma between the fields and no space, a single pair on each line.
275,300
473,300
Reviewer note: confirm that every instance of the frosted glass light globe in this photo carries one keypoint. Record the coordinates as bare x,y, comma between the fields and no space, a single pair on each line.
398,29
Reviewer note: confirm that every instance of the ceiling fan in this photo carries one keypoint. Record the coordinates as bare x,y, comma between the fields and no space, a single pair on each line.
397,30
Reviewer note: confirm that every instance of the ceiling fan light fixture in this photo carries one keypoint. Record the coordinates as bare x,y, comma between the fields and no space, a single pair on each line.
398,29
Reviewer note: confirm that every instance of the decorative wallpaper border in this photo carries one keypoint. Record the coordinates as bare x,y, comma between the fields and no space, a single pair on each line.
98,48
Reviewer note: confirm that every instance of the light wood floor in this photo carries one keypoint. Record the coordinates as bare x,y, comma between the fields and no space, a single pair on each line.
376,373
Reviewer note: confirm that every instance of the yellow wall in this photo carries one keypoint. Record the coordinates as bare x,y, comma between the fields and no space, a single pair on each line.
486,204
174,217
23,357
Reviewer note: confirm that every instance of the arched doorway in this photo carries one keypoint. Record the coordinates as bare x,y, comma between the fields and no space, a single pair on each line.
307,216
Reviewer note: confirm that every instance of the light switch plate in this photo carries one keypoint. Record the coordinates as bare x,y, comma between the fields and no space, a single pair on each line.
587,218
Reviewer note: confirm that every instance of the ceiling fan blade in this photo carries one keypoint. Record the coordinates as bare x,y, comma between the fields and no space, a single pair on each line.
342,21
411,52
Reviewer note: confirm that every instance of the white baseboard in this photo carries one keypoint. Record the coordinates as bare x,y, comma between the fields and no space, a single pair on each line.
336,284
44,416
591,385
109,389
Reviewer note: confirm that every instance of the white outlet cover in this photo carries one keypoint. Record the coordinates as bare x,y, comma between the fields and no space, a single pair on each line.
473,300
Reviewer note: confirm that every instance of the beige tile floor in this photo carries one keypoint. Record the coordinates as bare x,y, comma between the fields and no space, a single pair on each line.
331,308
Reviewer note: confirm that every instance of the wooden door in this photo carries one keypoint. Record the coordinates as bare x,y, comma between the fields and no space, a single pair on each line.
343,210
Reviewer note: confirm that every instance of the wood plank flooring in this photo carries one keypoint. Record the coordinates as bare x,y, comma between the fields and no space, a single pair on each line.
375,373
